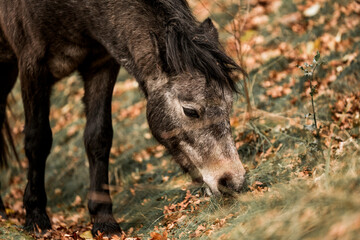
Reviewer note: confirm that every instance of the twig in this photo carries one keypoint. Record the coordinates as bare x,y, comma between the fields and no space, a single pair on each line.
309,72
236,33
311,78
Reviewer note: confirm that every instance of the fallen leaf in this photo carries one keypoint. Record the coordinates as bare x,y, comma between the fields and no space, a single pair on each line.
312,11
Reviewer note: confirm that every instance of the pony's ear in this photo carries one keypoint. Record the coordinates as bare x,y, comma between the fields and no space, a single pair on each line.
156,50
208,27
155,43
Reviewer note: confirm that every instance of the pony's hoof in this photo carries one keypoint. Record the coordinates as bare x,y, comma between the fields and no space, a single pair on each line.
3,215
37,221
2,210
106,226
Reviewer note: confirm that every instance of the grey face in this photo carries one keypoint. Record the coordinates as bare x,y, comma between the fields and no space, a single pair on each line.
190,117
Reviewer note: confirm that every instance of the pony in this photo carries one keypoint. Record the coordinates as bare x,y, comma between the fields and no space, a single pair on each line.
181,68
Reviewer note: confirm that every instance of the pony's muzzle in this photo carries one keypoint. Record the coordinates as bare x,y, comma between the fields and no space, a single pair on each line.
226,183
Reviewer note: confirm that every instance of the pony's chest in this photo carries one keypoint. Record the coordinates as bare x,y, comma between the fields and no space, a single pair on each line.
65,59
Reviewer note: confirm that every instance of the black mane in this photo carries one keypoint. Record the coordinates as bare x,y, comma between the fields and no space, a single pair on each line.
191,49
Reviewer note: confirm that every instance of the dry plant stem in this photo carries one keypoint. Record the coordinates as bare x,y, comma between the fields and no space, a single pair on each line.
239,56
249,107
312,99
236,34
246,15
257,130
258,113
313,107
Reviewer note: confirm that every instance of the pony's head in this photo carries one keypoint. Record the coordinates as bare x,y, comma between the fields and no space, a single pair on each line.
190,101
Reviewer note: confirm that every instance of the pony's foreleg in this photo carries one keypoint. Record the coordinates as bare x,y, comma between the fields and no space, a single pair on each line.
99,79
36,84
8,74
2,210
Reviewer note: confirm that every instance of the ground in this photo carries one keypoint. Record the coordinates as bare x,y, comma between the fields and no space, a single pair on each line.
302,182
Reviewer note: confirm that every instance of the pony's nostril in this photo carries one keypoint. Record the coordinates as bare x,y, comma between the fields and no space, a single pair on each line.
226,181
231,182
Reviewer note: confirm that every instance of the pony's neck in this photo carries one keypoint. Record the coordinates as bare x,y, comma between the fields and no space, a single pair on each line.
127,31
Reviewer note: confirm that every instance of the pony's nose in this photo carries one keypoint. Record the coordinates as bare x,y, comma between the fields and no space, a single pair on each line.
231,182
226,180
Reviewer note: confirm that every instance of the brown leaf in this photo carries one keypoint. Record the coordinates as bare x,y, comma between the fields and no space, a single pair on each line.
158,236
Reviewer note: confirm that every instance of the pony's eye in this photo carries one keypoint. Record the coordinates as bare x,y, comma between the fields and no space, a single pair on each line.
191,112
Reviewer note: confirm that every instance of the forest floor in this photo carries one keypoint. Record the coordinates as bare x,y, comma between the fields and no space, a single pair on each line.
300,186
